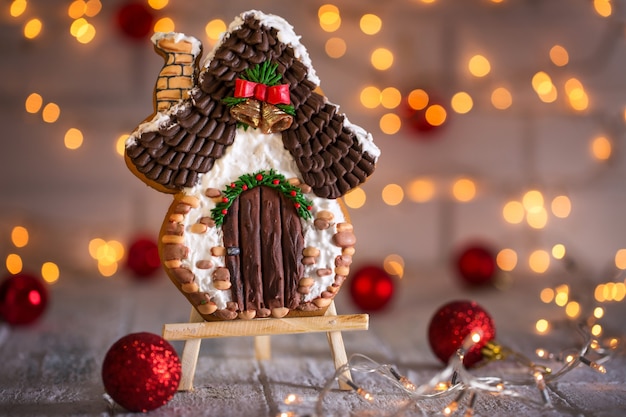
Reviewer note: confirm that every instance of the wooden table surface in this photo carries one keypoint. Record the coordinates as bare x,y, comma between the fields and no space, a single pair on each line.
52,368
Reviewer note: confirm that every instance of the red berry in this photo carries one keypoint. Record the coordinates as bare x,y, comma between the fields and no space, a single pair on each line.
244,187
309,208
293,193
232,185
297,205
225,199
259,177
224,211
276,182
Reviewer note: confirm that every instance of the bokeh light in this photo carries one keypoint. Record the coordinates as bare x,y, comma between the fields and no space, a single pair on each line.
461,102
19,236
421,190
32,28
506,259
464,189
355,198
479,66
559,56
50,272
390,123
392,194
51,113
382,59
335,47
33,103
370,24
73,138
601,148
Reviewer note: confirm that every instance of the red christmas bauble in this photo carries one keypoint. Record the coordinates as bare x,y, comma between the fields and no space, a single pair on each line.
452,323
371,288
135,20
141,371
143,258
23,299
476,265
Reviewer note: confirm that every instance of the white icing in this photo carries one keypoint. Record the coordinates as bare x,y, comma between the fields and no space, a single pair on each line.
158,120
286,35
364,138
253,151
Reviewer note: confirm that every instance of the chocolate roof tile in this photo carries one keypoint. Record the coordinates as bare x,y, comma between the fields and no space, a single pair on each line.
328,154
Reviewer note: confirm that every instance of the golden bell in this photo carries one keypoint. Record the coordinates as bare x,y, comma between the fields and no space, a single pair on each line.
273,119
247,112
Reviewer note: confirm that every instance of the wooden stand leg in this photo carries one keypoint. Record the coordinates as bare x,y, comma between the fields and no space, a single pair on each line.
189,358
338,350
262,347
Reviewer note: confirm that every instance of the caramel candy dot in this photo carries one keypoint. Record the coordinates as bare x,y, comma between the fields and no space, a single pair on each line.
189,287
322,302
345,227
208,308
172,239
350,250
342,270
306,282
311,251
176,217
172,263
326,215
222,285
198,228
190,200
247,315
218,251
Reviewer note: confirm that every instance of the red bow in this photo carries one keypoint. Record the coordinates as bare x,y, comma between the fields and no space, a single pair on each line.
276,94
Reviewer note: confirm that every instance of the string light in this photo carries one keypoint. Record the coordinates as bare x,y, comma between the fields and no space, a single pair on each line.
455,383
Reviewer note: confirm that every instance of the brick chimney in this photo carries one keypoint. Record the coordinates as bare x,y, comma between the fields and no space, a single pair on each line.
178,74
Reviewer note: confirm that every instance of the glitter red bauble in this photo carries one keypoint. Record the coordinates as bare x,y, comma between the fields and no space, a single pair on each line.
143,258
23,299
371,288
135,20
452,323
476,265
141,371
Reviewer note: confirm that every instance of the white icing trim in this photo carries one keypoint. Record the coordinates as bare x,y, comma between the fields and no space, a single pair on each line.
286,35
153,125
365,138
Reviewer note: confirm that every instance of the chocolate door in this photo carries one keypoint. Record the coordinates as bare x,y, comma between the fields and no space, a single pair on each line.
264,241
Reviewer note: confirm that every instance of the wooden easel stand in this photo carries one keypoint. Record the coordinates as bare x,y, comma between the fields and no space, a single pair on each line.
261,329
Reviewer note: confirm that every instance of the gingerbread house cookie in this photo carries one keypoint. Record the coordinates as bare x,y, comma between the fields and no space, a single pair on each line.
256,159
